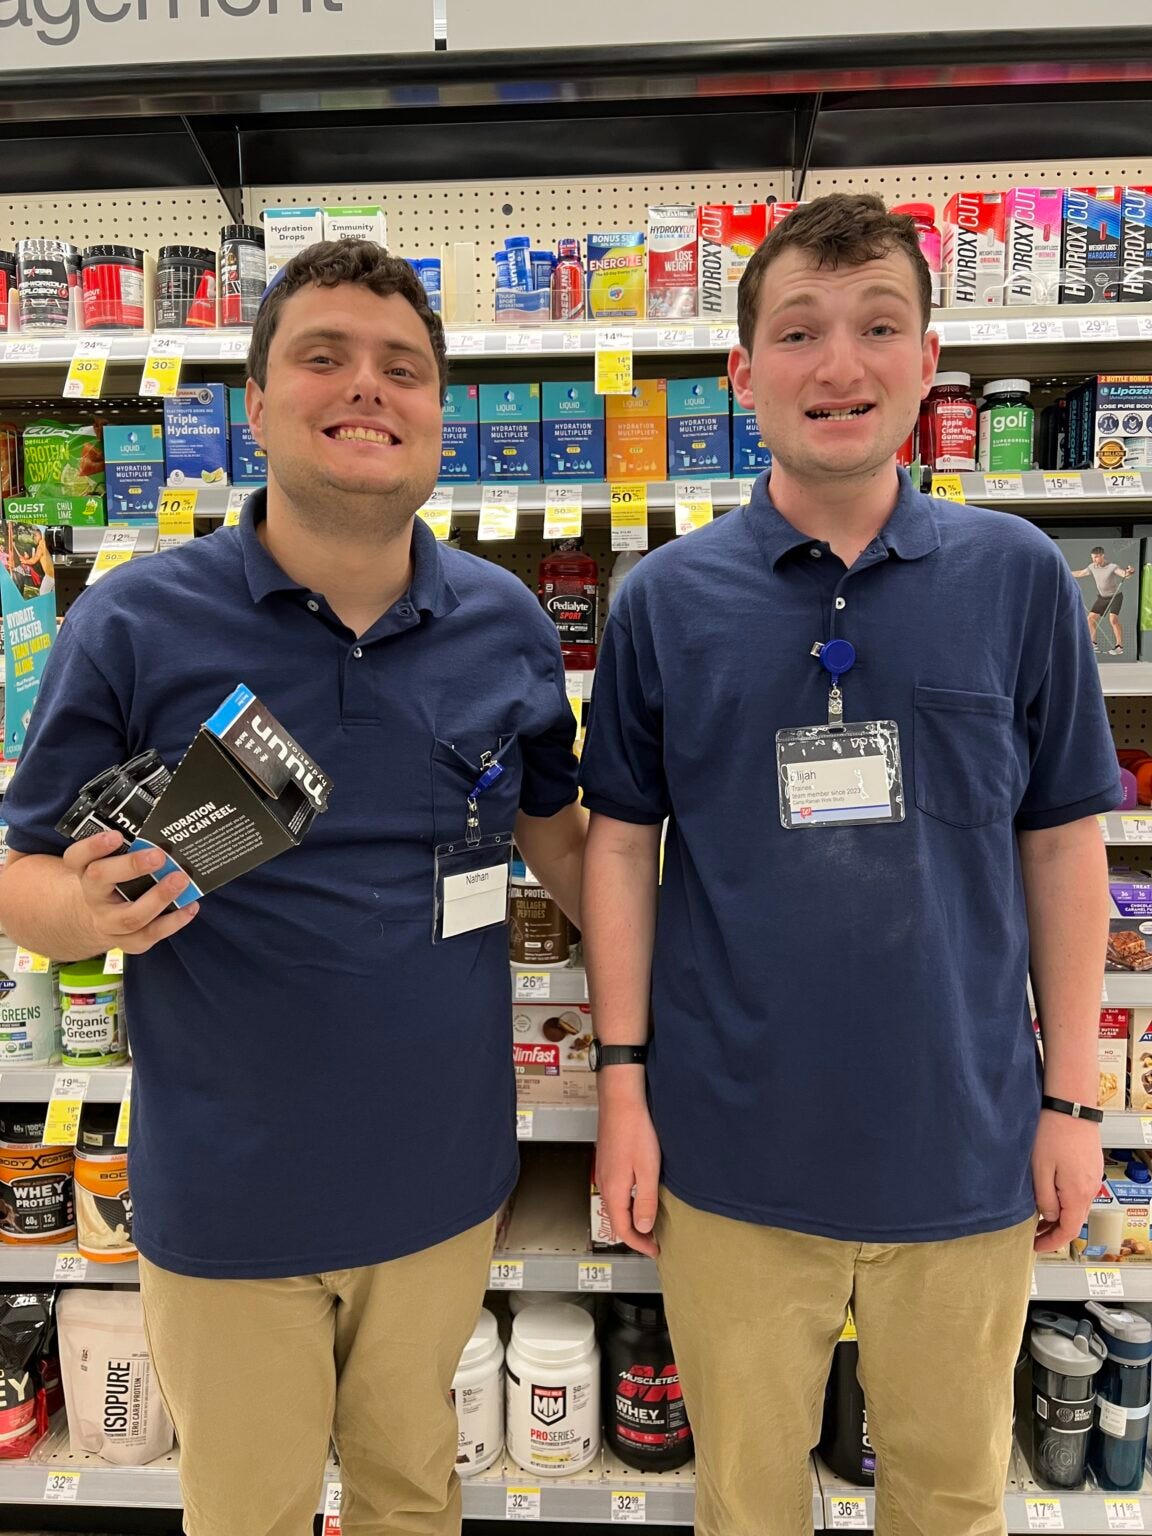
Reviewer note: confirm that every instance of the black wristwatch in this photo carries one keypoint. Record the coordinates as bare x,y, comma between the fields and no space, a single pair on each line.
616,1055
1068,1107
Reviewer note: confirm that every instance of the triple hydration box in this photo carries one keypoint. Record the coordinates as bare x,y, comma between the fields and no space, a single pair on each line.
573,431
698,417
510,432
134,471
460,435
196,435
249,461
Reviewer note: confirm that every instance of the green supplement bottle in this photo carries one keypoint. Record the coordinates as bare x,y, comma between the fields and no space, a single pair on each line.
1007,423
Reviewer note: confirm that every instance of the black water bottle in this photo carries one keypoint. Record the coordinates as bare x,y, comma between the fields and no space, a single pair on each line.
1066,1355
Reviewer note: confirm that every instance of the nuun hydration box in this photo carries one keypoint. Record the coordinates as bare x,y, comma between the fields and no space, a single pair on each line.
750,453
974,254
134,471
673,263
1092,261
287,232
1034,220
615,274
196,435
698,427
572,431
460,438
510,432
249,461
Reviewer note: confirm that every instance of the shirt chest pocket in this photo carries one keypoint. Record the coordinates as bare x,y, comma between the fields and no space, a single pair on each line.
456,767
966,765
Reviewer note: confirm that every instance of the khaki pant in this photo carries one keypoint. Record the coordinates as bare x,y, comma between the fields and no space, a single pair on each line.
755,1313
259,1374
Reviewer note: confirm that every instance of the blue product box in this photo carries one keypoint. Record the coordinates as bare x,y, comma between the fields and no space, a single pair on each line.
460,439
509,431
514,306
133,471
698,437
750,453
249,461
572,433
196,435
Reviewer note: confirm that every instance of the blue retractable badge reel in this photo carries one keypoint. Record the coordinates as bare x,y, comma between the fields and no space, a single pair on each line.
837,657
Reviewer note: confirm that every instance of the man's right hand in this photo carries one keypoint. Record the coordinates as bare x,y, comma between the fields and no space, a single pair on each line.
627,1160
133,926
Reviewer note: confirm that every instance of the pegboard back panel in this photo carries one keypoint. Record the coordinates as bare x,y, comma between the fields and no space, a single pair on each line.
937,183
185,216
1131,720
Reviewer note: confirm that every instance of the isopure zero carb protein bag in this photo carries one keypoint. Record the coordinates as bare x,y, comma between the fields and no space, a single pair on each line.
110,1389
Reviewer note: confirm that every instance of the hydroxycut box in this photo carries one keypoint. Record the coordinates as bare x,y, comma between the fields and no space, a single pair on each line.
673,262
356,224
460,434
1091,261
196,435
615,274
635,432
134,471
750,453
974,251
572,431
509,431
1034,219
249,461
728,235
698,431
1136,246
287,232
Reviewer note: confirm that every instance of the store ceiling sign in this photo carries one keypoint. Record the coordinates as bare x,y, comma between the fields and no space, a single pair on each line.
48,34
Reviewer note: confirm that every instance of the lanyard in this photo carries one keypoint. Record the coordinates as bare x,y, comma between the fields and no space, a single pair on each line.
836,657
489,772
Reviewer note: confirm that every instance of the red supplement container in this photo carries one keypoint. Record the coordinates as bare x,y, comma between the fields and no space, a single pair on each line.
948,424
923,215
570,590
112,282
568,282
7,285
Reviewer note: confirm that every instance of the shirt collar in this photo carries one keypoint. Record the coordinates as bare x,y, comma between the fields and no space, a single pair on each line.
910,532
431,592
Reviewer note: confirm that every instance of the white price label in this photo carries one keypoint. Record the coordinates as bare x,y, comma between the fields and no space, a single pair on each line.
571,341
117,547
234,346
594,1276
27,963
1146,1130
723,336
1123,482
1123,1514
114,963
236,499
1044,1514
1044,330
988,330
533,986
525,1124
162,365
1106,1284
674,338
563,512
1137,829
614,362
1144,327
1035,1289
498,505
437,511
848,1514
506,1275
1003,485
465,343
629,1508
70,1266
524,341
62,1487
1104,990
693,505
1067,484
333,1499
63,1121
1098,328
22,352
522,1504
746,487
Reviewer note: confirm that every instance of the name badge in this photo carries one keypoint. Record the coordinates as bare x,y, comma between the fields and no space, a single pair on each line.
832,775
474,899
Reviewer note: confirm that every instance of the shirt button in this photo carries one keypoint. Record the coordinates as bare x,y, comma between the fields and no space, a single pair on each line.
815,553
840,603
357,653
405,612
313,605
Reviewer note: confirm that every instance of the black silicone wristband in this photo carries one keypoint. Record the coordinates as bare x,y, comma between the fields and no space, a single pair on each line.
1068,1107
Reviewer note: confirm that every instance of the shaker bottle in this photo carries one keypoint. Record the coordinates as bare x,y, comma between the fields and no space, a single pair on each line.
1120,1434
1066,1355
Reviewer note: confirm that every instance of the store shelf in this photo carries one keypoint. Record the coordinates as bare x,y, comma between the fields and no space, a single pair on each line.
552,984
1126,679
1126,1128
556,1122
199,347
1061,492
1127,989
1068,1280
33,1085
37,1266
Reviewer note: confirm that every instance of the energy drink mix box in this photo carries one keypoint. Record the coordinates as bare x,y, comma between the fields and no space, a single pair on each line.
573,431
635,432
1034,217
244,791
56,511
698,430
196,435
728,234
460,434
1140,1058
673,262
509,431
616,274
249,461
287,232
1136,246
63,459
1092,262
134,471
750,453
356,224
1112,1058
974,250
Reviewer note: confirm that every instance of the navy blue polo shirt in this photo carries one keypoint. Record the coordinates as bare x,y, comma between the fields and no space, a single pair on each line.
841,1040
318,1086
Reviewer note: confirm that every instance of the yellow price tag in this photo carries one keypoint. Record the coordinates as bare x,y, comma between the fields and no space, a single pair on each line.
124,1123
30,964
63,1122
176,515
437,512
236,499
498,505
948,487
116,548
693,505
86,371
614,362
162,366
563,512
848,1332
746,487
628,507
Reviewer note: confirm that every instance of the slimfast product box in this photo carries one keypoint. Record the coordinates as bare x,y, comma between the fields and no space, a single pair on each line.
603,1237
249,461
509,431
673,263
635,432
1091,260
572,431
1107,573
196,435
287,232
550,1053
750,453
134,471
729,234
974,250
460,439
356,224
1136,246
616,262
1140,1059
1112,1058
698,428
1034,220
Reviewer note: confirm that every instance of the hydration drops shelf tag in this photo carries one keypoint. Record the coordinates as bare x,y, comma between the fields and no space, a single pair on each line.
628,509
614,362
563,512
693,505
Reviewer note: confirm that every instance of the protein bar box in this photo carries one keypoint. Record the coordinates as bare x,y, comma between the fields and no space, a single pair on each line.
1129,921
